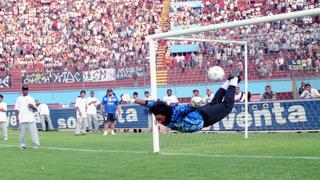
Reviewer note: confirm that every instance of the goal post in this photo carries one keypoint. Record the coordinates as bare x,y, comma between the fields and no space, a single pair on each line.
176,35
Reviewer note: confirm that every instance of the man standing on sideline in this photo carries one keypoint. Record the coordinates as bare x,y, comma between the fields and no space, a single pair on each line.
268,95
309,92
239,95
81,107
25,108
110,103
170,99
209,96
147,96
3,119
93,102
44,112
302,88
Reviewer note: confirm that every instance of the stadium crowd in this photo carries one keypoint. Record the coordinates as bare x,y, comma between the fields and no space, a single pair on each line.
297,41
75,35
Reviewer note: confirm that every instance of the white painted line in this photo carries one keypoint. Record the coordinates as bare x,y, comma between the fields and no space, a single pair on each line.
242,156
84,150
176,154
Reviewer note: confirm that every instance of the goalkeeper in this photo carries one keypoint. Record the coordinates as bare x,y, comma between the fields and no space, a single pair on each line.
190,118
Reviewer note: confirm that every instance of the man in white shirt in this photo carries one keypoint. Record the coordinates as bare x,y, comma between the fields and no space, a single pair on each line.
196,99
25,108
81,108
170,99
239,95
3,119
93,102
209,96
44,112
147,96
309,92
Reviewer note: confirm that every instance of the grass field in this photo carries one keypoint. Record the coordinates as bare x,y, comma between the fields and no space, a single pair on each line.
184,156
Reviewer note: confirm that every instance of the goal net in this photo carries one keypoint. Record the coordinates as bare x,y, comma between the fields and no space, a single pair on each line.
279,56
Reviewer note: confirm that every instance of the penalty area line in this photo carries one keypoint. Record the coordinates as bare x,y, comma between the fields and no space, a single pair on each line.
174,154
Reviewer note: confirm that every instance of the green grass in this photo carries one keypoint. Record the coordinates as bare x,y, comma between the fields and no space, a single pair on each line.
187,156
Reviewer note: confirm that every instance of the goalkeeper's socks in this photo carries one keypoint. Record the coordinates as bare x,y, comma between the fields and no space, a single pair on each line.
225,85
234,81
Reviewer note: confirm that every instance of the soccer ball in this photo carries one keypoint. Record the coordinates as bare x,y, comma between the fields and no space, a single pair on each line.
216,73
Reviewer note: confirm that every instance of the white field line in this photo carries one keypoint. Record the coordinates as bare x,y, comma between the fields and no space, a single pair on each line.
242,156
175,154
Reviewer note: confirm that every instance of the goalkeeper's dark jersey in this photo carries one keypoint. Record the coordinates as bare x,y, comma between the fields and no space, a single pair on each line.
183,118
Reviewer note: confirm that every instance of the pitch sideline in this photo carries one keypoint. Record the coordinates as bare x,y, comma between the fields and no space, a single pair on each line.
175,154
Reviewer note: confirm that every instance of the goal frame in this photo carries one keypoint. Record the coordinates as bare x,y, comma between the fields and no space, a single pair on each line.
167,35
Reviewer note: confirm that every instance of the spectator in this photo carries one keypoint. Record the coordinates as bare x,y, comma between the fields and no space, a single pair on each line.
122,101
309,92
25,108
170,99
302,88
3,119
268,95
209,96
93,102
147,96
44,113
112,109
135,95
239,95
196,98
81,108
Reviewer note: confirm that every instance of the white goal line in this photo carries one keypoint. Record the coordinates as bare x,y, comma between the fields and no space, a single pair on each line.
175,154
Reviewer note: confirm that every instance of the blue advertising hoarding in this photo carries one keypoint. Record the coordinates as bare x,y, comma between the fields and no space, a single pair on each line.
132,116
263,116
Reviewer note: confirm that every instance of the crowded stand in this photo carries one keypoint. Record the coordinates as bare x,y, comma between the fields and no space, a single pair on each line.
88,35
50,35
278,46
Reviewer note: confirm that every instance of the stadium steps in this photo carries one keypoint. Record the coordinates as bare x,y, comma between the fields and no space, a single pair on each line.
162,77
162,72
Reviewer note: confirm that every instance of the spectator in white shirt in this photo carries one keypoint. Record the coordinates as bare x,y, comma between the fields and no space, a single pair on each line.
44,112
3,119
209,96
81,107
239,95
25,109
309,93
93,102
170,99
196,99
147,96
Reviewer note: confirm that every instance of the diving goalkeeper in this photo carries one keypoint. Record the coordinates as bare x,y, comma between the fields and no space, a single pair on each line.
189,118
